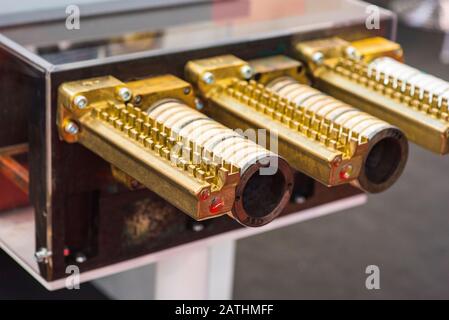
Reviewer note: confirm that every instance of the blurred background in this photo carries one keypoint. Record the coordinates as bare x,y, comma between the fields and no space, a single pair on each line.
404,231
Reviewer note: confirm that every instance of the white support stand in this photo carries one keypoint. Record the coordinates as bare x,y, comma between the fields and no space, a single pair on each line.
203,273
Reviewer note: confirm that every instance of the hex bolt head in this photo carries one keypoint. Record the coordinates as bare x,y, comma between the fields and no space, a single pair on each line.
42,255
80,102
71,128
125,94
318,57
208,78
246,72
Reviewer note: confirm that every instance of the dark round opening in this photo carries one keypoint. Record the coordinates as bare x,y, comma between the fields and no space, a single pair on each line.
383,160
263,193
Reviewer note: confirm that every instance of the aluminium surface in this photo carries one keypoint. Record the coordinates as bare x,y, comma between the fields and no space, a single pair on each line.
42,56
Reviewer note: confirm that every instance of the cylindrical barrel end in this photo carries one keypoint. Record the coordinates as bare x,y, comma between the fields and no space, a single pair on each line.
385,160
263,193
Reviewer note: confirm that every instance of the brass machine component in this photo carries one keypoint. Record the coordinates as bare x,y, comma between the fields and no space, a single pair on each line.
387,146
369,73
319,135
152,136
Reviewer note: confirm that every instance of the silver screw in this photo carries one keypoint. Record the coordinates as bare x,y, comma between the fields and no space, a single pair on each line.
80,257
208,78
125,94
71,128
187,91
247,72
300,200
197,227
81,102
199,104
351,52
42,255
318,57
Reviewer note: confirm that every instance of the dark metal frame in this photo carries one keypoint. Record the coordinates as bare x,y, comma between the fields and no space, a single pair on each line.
76,202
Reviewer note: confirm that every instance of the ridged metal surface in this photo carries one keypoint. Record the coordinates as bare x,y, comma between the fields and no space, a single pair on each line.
203,140
387,147
329,108
404,75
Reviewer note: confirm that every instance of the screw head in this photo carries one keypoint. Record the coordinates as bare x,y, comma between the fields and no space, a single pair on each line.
197,227
71,128
247,72
187,91
42,255
80,257
351,52
208,78
125,94
80,102
318,57
300,199
199,104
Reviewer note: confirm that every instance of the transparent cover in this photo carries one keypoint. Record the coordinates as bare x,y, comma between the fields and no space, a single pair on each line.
183,27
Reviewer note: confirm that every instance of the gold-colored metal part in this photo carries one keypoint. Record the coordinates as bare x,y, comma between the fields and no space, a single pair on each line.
271,68
348,72
371,48
186,158
326,150
387,146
